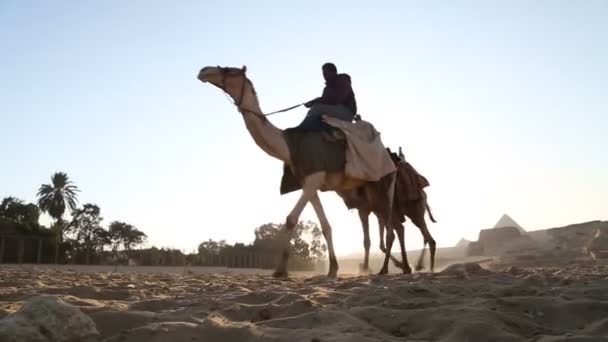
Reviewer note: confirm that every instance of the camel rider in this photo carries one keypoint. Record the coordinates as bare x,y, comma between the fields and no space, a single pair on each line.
337,100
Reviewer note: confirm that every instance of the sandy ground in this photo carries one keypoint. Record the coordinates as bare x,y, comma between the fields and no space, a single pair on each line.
457,304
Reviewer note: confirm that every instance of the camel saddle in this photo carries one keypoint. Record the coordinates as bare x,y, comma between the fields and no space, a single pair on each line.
310,152
353,148
409,183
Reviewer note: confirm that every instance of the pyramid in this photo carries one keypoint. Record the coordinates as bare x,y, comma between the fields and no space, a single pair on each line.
463,243
506,221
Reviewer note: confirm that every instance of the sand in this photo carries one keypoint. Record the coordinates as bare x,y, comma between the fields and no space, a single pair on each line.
462,303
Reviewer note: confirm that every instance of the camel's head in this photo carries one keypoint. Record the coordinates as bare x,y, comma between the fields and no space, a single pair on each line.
225,78
231,80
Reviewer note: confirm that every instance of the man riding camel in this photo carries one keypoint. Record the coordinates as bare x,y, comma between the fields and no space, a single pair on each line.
337,100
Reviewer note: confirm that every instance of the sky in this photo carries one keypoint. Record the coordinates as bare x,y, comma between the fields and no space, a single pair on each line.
503,106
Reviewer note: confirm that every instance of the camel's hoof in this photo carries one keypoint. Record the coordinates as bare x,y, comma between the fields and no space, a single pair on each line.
364,269
383,272
279,274
407,271
419,267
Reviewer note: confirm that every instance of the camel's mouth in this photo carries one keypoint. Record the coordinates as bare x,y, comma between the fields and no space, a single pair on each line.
204,74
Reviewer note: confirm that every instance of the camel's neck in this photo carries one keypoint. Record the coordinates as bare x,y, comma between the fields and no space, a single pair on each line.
267,136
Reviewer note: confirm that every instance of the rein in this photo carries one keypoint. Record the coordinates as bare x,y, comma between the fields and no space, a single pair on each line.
240,100
284,110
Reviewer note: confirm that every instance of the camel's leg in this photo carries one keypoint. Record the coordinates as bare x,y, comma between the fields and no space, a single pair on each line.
309,189
388,211
420,262
381,229
364,217
382,226
419,221
398,263
400,235
389,244
333,262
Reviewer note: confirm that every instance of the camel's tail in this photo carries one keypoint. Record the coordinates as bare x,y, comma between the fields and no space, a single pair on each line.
430,213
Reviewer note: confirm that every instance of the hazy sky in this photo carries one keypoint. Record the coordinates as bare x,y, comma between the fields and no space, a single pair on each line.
503,106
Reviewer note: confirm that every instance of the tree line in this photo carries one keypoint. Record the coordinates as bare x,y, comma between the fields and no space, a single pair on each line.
83,238
77,239
306,248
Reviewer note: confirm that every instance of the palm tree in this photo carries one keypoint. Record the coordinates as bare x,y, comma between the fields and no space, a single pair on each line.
54,198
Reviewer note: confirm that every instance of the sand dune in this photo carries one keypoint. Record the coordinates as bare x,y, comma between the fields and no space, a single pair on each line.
461,303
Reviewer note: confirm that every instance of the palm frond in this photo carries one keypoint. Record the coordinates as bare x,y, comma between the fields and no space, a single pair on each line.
59,179
45,189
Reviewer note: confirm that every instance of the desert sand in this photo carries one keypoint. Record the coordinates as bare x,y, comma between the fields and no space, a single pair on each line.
464,302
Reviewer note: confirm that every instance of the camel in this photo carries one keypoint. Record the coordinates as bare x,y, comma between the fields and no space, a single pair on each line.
271,140
366,203
414,209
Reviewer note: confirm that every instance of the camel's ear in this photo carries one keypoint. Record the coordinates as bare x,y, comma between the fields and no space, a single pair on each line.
244,68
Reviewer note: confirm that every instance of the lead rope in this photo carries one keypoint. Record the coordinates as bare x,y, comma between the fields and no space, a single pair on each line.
284,110
271,113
